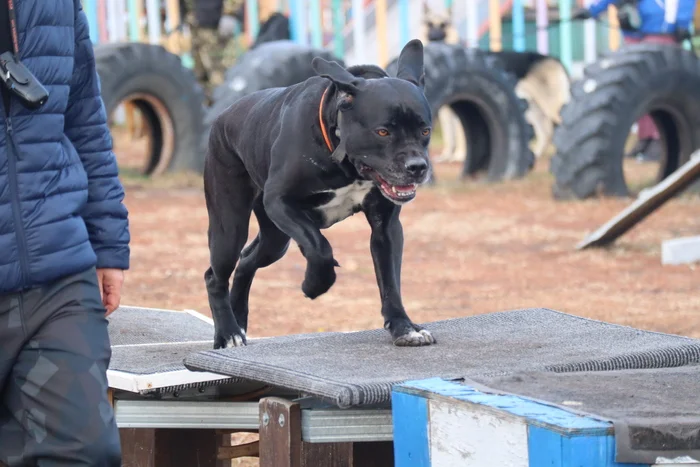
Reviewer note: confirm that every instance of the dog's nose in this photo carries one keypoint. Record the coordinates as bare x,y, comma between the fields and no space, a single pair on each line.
417,167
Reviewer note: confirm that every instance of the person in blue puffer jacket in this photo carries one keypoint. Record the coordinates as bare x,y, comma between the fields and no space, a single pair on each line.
658,21
64,242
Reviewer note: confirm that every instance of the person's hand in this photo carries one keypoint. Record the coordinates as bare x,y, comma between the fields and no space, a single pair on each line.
110,281
227,26
582,14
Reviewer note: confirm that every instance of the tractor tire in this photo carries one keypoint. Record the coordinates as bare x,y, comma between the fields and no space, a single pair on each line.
270,65
166,93
663,80
482,94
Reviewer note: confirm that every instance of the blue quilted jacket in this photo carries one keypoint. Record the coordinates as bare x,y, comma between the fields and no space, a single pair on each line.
61,209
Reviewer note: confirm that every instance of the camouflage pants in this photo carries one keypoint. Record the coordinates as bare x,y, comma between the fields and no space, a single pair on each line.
212,56
54,353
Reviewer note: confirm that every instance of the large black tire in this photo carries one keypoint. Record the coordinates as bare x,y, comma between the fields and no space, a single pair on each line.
270,65
615,91
482,94
166,93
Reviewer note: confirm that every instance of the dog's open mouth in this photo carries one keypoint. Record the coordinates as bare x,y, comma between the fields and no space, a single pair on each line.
395,193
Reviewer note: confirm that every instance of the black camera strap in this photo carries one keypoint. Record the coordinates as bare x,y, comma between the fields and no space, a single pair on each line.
13,25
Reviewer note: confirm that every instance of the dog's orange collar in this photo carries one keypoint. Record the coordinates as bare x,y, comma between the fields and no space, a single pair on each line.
324,132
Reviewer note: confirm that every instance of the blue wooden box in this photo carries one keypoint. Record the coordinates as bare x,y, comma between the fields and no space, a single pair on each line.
439,423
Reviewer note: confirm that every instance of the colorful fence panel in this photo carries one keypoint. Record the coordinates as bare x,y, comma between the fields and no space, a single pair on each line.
379,28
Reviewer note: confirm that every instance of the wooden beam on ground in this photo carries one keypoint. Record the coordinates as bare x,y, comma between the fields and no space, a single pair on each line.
647,202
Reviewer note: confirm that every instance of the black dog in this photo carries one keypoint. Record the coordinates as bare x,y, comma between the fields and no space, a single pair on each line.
272,153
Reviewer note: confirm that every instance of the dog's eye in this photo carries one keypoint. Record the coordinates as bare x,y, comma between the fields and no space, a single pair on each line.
382,132
426,131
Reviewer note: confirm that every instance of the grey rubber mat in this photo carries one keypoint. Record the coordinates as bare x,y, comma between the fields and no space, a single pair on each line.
656,412
129,325
153,359
148,341
360,368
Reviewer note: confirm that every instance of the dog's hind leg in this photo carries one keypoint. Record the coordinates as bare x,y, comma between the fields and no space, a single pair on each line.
268,247
229,195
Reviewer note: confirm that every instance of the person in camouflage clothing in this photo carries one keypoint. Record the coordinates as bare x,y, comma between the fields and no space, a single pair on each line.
214,48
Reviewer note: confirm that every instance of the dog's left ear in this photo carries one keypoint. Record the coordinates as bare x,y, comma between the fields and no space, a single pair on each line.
410,63
342,78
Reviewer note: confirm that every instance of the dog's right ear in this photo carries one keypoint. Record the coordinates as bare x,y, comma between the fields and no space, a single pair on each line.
341,77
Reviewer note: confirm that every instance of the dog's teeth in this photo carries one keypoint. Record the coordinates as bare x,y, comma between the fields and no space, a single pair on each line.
393,188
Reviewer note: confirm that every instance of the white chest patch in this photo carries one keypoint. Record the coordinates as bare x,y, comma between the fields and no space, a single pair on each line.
345,201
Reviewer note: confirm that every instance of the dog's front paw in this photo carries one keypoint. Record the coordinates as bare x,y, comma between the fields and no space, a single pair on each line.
319,278
226,340
406,334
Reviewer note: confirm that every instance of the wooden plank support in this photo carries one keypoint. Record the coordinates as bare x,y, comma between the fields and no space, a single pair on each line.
148,447
280,433
281,444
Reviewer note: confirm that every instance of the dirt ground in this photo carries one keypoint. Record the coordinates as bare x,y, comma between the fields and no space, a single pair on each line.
470,248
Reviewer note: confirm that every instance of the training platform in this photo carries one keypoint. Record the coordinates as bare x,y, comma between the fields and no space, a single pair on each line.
523,388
